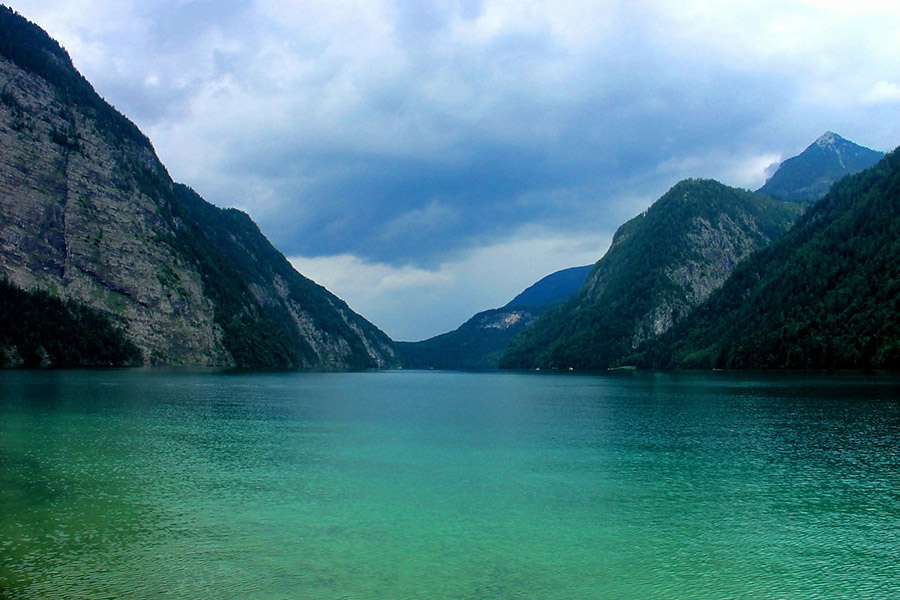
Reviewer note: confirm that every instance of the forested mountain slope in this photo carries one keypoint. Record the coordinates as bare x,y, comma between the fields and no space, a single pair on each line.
552,289
40,330
476,344
826,296
661,264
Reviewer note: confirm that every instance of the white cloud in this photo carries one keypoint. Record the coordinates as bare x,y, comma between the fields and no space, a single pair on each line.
883,92
748,170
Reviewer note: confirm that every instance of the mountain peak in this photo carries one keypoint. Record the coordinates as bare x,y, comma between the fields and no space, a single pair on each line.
807,177
786,307
829,138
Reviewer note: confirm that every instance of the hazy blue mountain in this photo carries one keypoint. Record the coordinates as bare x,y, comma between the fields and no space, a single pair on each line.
476,344
90,216
479,342
825,296
553,288
806,178
661,264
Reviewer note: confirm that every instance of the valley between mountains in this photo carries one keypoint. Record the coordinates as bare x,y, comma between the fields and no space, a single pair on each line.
106,261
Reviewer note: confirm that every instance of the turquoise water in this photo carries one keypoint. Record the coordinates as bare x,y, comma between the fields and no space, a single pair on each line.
404,485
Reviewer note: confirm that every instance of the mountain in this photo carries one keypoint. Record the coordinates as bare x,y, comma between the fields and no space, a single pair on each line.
806,178
90,216
826,296
479,342
660,265
40,330
476,344
552,289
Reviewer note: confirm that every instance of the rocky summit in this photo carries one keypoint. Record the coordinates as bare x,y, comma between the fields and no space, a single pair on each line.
807,177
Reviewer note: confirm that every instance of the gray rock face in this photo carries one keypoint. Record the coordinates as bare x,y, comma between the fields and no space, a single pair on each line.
89,214
506,318
717,246
75,223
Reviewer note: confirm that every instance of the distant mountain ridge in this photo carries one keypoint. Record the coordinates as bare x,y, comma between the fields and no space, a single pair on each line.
661,264
807,177
479,342
553,288
89,215
801,180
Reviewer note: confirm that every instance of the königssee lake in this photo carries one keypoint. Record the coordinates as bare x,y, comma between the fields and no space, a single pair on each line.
406,485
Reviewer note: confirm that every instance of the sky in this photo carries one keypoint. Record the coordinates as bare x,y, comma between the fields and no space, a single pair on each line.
428,160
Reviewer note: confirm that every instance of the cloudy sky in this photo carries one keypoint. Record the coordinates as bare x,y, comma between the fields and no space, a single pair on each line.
427,160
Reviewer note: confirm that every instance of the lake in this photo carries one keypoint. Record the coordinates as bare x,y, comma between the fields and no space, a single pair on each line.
414,485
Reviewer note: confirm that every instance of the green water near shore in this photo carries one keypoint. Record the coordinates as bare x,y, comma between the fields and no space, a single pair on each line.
439,485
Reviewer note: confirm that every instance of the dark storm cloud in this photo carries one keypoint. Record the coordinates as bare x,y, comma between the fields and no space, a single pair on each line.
565,165
341,119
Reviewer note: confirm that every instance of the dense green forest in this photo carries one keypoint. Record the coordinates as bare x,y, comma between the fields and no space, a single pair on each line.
827,296
699,227
40,330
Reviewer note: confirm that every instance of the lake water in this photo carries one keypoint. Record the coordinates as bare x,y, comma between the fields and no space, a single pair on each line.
404,485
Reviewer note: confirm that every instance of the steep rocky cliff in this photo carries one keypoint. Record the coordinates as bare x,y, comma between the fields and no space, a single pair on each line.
660,265
88,213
